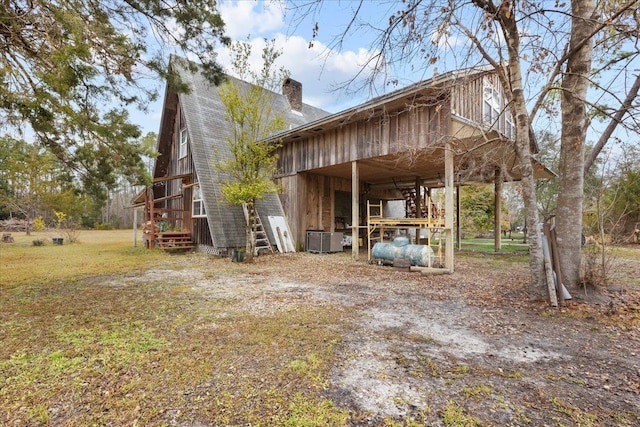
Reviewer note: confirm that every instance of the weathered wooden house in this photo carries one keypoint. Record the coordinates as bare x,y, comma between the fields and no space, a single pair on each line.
184,206
338,170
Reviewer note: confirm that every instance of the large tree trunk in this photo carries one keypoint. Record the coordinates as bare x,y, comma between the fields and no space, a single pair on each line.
250,245
537,286
512,82
574,127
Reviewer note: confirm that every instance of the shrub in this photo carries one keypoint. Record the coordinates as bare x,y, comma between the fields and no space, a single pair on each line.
596,267
39,224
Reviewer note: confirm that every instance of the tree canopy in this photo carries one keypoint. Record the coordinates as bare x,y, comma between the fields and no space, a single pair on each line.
71,68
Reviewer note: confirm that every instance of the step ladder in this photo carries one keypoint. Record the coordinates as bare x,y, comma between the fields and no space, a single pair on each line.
258,232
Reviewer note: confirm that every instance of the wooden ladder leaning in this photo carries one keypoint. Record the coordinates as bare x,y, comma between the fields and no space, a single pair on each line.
258,232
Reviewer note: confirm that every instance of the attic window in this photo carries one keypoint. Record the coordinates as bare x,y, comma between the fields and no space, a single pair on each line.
184,139
198,210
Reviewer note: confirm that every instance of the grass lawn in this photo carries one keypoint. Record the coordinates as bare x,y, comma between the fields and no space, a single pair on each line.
103,333
86,342
487,245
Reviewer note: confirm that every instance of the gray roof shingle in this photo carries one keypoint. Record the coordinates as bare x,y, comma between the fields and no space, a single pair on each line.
207,128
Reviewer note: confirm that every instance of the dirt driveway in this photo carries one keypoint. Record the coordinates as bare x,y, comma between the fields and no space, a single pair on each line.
464,349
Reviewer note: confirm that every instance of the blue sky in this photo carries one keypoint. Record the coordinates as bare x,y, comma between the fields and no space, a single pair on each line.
320,69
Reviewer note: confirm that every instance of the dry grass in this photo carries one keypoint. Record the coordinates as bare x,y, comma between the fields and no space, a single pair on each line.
85,344
96,253
101,333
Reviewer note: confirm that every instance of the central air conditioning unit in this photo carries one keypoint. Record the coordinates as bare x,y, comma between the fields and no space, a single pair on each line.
320,242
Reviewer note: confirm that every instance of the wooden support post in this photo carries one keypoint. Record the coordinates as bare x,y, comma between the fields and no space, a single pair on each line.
430,215
497,223
418,203
555,259
448,205
458,237
152,221
548,267
135,227
332,203
355,211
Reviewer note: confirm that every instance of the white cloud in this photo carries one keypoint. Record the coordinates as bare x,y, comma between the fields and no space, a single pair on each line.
317,68
243,18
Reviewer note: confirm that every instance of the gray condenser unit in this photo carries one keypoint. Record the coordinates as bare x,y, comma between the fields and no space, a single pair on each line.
324,242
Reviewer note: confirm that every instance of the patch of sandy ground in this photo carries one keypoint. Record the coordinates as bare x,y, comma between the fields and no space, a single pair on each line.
417,343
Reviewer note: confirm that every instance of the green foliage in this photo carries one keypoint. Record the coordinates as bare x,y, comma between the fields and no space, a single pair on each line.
311,413
39,224
32,183
251,118
612,197
71,69
547,189
455,416
477,204
104,227
29,175
625,196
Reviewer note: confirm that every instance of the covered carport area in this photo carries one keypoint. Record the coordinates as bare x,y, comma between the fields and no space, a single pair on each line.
472,156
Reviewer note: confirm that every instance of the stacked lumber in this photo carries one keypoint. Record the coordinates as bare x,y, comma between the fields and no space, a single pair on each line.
557,291
15,225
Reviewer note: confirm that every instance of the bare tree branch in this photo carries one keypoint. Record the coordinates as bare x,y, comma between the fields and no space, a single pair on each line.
613,123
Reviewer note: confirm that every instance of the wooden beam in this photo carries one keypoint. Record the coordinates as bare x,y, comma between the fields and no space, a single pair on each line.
458,238
429,270
418,203
497,223
332,202
448,205
135,227
355,211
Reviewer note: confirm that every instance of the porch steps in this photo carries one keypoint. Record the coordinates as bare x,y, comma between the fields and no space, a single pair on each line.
174,240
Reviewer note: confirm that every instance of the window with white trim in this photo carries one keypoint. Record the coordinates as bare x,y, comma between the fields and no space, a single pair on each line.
198,203
510,126
184,139
491,104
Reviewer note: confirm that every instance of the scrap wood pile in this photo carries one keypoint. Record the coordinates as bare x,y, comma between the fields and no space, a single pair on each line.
15,224
557,291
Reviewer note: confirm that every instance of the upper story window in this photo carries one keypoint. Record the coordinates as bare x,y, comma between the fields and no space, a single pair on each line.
491,105
509,125
184,139
198,209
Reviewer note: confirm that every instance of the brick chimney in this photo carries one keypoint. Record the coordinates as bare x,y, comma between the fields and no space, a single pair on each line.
293,91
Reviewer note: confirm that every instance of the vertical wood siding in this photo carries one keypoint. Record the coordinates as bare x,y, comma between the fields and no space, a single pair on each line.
178,166
385,134
467,101
307,199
